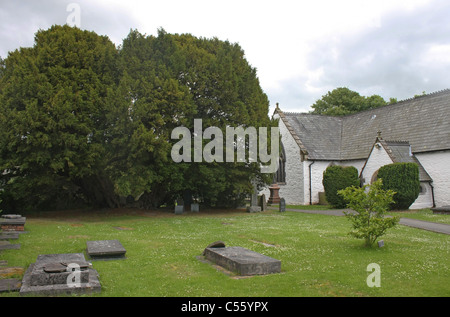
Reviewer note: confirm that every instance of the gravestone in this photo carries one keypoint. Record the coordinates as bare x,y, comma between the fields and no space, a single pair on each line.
11,216
10,235
105,250
12,223
53,274
195,207
263,202
282,205
242,261
254,201
10,285
179,207
216,244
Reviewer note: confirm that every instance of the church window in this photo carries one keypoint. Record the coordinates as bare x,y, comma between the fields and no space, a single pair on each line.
280,176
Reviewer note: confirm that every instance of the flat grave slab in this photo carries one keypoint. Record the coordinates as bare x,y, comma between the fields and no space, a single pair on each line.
52,274
105,250
6,245
10,235
10,285
243,261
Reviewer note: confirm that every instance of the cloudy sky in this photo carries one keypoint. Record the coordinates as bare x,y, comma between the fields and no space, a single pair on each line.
301,49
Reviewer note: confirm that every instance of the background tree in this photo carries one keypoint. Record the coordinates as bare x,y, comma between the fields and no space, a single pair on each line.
342,101
53,105
83,121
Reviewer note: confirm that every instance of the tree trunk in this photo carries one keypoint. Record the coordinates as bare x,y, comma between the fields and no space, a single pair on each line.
99,191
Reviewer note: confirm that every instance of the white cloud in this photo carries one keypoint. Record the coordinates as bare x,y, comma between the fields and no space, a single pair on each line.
301,49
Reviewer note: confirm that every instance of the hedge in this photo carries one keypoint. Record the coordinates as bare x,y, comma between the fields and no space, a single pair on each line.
335,178
402,178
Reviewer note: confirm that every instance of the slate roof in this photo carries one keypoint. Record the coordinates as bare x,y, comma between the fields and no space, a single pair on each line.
423,121
400,152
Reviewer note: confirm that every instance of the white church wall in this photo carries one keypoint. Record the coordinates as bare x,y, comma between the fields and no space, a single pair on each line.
358,164
377,158
425,199
317,168
292,190
437,165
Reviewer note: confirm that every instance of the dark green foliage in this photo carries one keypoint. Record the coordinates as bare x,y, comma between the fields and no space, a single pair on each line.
402,178
336,178
84,122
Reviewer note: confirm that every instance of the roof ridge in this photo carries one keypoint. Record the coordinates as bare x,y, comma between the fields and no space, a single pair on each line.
446,90
397,142
400,103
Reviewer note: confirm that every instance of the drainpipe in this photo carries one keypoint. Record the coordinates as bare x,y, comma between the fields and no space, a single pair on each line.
432,193
310,183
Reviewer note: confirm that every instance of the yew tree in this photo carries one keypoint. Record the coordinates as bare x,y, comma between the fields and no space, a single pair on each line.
83,122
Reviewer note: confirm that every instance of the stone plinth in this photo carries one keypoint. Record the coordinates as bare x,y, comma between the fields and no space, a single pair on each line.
47,275
243,261
12,223
274,197
254,209
41,274
105,250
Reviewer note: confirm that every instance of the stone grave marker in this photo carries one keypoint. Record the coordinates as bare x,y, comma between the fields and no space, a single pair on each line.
179,207
282,205
105,250
9,235
53,274
12,223
242,261
263,202
6,245
10,285
254,201
195,207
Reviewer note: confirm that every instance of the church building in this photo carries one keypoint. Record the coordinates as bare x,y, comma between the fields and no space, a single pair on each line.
414,130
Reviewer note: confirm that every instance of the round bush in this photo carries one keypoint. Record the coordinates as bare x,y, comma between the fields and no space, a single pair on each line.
403,179
336,178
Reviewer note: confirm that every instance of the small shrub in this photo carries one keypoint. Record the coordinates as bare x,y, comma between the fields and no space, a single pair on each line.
336,178
402,178
369,222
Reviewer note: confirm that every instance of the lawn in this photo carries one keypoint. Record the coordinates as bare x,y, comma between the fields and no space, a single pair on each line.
318,257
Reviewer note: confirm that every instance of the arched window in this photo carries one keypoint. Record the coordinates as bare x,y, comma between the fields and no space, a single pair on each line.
280,176
374,176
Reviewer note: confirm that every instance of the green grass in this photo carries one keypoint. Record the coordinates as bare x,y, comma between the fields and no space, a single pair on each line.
318,257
